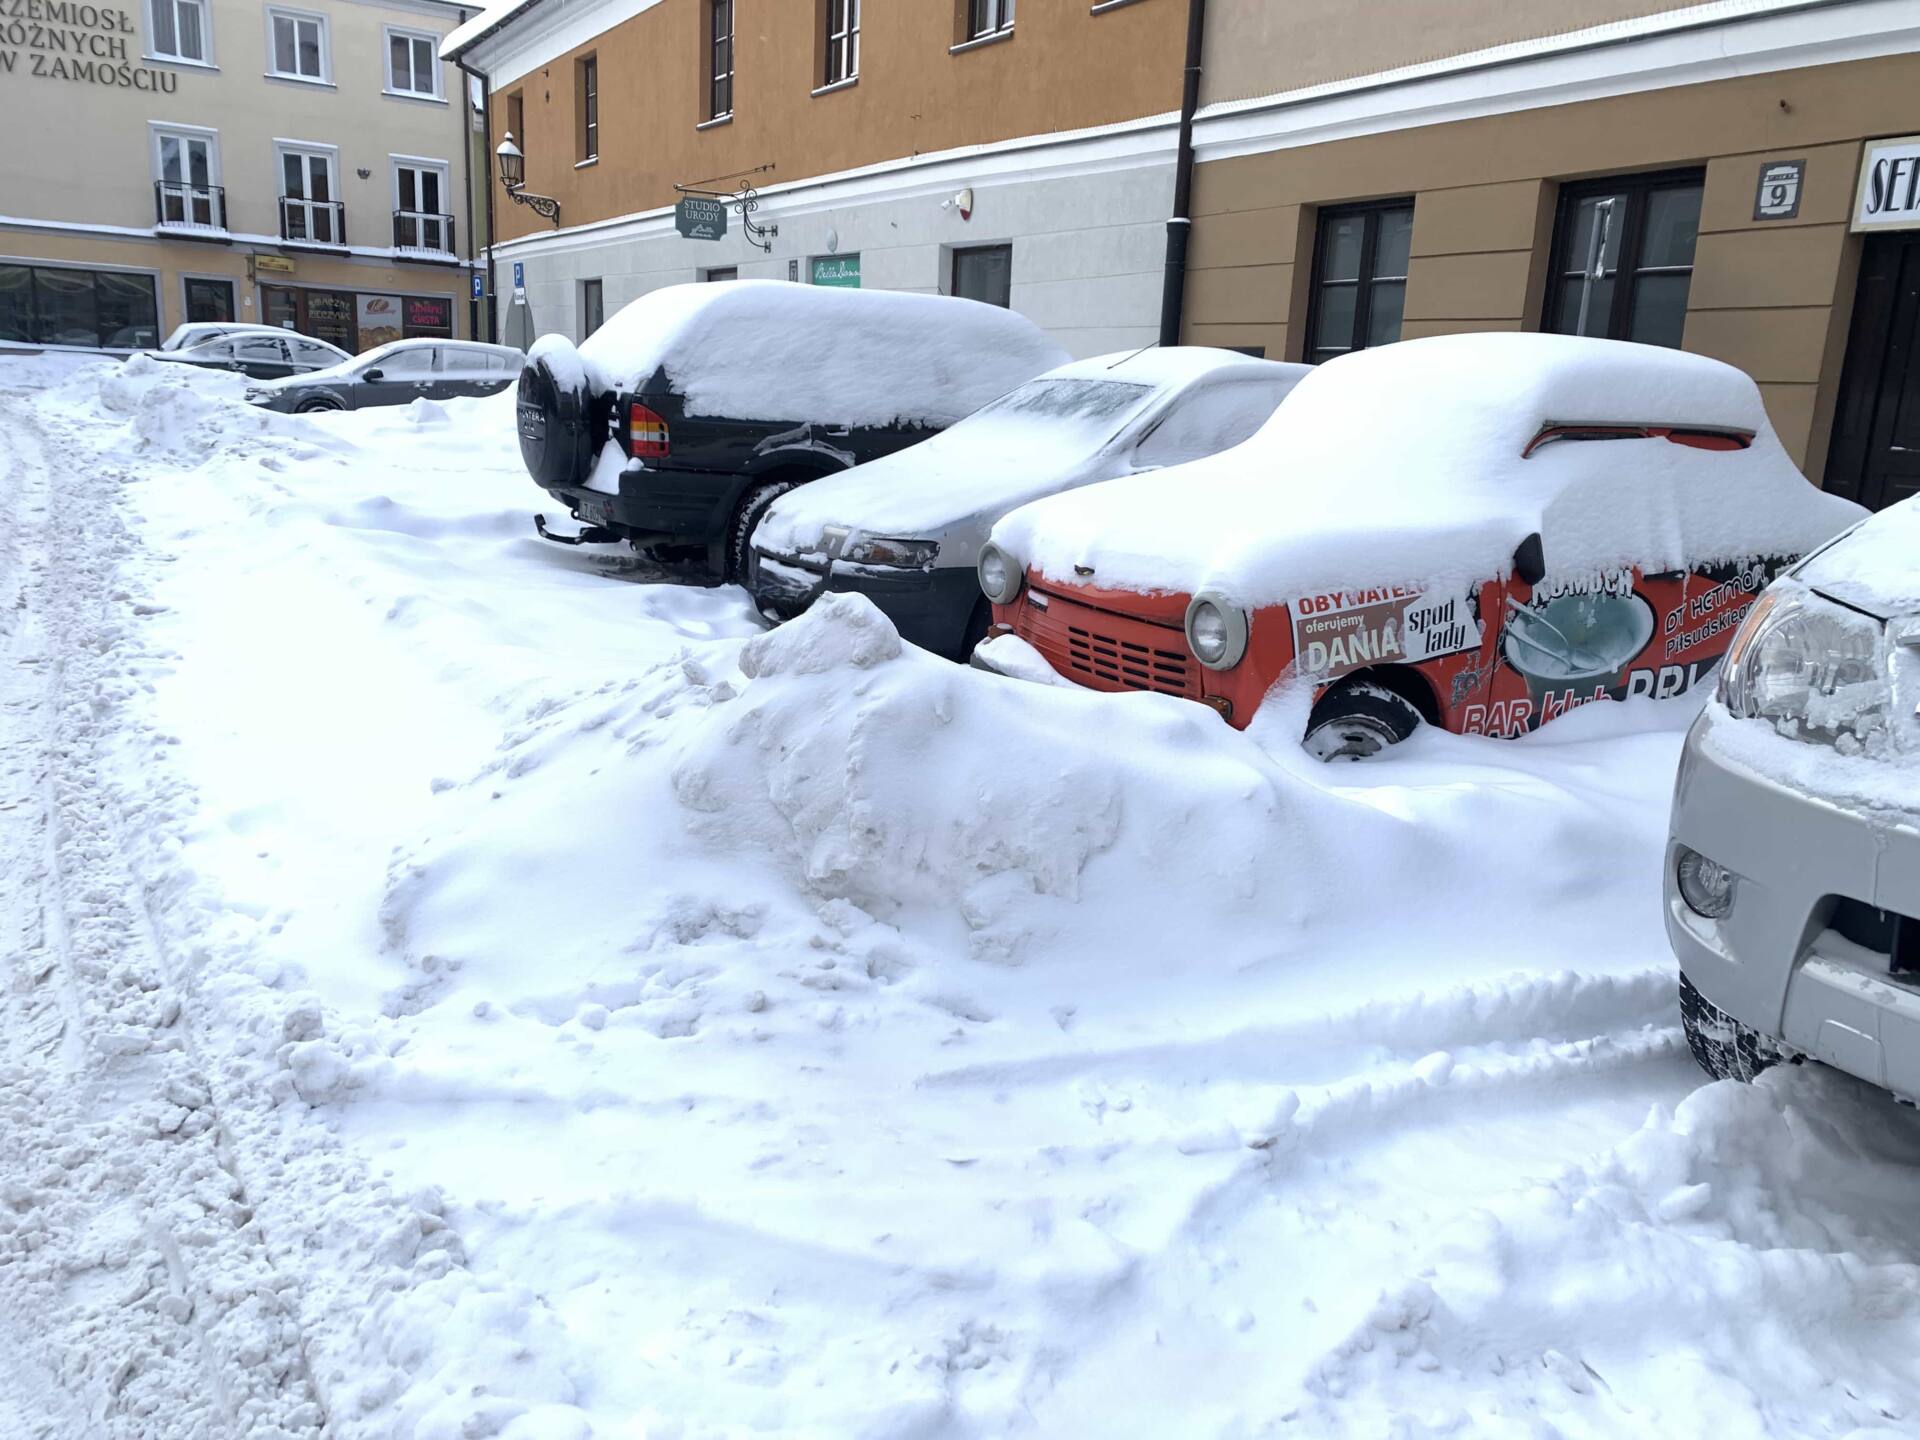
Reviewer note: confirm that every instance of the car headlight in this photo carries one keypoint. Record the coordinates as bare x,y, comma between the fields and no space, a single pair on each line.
901,554
1706,885
1000,574
1815,670
1216,631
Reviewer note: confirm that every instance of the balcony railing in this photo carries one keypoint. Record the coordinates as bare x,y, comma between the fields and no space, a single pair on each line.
313,222
178,205
423,232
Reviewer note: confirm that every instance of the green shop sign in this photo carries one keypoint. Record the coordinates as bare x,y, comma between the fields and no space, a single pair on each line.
841,270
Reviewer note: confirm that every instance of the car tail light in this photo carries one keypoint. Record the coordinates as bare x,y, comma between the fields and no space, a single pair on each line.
646,434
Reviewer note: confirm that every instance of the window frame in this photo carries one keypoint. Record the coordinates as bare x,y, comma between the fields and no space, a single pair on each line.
176,55
189,280
275,14
960,252
593,305
389,34
841,39
158,132
309,150
985,19
719,79
423,165
1364,279
1638,188
93,272
516,117
586,76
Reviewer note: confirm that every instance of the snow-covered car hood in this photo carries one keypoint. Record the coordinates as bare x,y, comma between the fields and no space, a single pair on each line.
1408,464
1877,567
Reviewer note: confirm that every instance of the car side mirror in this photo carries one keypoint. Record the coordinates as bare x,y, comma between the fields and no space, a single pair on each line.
1530,560
374,375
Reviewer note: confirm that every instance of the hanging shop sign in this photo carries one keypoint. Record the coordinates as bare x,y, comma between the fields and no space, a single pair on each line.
1889,194
1778,194
699,218
81,44
838,270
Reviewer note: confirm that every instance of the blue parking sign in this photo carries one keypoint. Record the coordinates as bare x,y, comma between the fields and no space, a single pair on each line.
519,274
479,285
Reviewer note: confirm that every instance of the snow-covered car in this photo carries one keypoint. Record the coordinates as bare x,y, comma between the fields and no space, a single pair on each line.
396,374
197,332
1474,531
906,530
676,424
259,355
1793,861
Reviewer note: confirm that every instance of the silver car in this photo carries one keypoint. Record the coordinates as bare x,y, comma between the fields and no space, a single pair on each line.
1793,862
397,374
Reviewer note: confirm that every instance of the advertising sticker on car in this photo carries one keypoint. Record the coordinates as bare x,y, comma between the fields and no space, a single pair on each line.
1347,630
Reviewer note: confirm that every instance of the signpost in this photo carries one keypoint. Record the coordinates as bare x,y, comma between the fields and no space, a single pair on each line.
519,274
698,218
841,271
479,286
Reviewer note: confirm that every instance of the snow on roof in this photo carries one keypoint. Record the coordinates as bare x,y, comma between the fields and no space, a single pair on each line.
492,15
1162,366
770,350
1405,464
1877,567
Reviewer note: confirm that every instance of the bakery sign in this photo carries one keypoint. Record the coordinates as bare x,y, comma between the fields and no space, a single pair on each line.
1889,194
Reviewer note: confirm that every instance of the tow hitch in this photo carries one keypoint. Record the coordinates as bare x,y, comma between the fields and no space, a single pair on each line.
590,535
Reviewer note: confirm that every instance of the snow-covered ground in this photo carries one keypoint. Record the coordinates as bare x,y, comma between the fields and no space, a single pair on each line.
456,988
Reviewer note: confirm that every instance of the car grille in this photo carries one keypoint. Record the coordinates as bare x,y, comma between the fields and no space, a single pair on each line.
1106,651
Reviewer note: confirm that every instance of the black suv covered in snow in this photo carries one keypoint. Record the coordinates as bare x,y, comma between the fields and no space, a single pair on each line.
681,419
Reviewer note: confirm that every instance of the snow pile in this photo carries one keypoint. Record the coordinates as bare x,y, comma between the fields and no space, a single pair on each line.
1405,465
763,350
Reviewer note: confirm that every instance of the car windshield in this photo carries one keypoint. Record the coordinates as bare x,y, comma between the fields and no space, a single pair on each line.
1091,406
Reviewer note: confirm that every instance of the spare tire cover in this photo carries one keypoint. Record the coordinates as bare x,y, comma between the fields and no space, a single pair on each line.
557,442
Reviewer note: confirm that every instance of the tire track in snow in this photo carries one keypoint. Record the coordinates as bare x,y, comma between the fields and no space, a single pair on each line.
124,1233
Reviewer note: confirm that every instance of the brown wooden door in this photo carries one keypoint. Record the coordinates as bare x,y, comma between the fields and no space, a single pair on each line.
1875,457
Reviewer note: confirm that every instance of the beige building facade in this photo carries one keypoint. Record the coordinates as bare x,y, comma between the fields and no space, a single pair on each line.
304,166
1738,179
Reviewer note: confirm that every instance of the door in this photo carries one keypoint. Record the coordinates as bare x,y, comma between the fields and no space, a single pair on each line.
1875,457
421,222
307,205
261,357
399,378
465,371
186,181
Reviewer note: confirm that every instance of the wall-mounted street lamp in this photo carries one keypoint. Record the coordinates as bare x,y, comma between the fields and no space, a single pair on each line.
513,177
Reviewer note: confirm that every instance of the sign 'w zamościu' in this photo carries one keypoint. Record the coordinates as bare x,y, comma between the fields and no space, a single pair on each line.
80,44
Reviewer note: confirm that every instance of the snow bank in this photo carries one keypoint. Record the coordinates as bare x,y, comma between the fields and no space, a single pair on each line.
1404,465
764,350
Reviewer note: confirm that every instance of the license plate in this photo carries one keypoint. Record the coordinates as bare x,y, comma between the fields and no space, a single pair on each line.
596,512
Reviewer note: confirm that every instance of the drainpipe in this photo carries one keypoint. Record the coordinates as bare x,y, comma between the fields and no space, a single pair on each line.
1180,227
486,184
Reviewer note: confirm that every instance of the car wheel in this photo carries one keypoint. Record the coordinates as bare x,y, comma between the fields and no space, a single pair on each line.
753,505
978,623
1725,1048
310,407
1358,720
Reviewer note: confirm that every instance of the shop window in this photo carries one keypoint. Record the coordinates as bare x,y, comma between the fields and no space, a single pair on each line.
593,307
209,300
413,64
1623,257
329,315
842,42
297,46
719,59
985,273
587,87
1359,278
178,30
427,316
987,18
56,305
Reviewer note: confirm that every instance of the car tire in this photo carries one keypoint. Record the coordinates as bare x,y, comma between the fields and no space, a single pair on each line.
752,506
313,407
1724,1047
978,623
1358,719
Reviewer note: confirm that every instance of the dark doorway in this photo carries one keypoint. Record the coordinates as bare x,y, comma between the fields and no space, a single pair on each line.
1875,457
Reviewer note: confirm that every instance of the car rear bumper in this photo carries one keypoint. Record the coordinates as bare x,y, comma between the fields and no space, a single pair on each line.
684,506
1807,869
930,608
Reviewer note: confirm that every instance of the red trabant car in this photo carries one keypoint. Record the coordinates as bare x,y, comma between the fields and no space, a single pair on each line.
1479,532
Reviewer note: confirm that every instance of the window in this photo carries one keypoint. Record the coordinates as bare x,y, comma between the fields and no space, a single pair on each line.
48,305
297,46
593,308
308,210
413,67
1209,419
312,354
1623,257
186,174
209,301
415,362
427,315
988,17
843,41
984,272
178,30
421,220
721,272
587,86
250,350
719,59
1359,278
517,118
